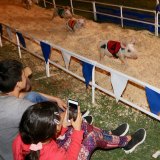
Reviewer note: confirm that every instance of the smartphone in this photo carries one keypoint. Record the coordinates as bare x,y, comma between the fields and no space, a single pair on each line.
72,109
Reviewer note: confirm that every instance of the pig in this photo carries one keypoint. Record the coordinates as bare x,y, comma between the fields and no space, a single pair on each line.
64,12
75,24
28,3
117,49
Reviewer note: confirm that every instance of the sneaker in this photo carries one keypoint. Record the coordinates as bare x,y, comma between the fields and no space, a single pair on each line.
88,119
121,130
85,113
137,138
156,154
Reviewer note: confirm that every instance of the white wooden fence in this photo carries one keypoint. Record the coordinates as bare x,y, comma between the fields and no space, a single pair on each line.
96,65
121,17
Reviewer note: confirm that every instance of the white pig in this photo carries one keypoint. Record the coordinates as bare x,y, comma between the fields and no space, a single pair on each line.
28,3
62,12
75,24
116,49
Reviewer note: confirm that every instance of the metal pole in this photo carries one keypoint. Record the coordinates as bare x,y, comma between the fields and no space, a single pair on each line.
93,84
71,4
47,69
94,10
0,40
156,23
54,3
121,10
19,48
44,1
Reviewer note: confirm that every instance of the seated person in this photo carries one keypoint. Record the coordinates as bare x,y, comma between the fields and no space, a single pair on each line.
42,123
13,82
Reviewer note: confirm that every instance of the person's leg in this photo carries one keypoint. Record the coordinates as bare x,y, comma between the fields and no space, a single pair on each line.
121,130
98,140
95,137
35,97
87,128
65,140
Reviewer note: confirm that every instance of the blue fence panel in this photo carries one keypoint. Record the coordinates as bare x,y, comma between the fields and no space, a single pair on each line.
105,18
138,15
127,14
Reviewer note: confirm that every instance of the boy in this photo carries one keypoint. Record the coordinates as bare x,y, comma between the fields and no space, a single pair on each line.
15,98
13,83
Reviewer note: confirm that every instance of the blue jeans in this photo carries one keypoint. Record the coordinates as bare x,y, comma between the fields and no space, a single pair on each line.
35,97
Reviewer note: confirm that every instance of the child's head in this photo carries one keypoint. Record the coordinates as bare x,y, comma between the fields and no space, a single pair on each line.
39,123
11,74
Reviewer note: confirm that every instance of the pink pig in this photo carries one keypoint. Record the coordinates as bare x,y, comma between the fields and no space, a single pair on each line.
117,49
75,24
64,12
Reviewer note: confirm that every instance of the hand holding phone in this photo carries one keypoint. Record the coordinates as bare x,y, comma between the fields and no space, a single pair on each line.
78,122
72,109
65,122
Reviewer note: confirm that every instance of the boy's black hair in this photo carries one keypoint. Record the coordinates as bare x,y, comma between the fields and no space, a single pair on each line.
38,125
10,74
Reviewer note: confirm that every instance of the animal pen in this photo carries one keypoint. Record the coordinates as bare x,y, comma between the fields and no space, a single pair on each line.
107,71
122,15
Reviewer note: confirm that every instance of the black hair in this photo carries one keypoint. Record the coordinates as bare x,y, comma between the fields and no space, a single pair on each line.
38,125
10,74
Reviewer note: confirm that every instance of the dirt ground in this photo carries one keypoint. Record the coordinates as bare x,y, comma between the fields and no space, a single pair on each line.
37,22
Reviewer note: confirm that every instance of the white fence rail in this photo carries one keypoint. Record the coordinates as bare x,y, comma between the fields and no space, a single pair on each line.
121,17
96,65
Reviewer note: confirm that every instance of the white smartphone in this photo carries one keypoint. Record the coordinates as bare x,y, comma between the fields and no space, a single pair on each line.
72,109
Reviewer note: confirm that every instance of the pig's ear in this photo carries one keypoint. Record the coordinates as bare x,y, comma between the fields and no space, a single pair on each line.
133,41
123,44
